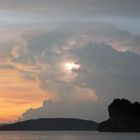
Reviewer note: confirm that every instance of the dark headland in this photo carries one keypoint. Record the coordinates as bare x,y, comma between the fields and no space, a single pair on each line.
124,116
51,124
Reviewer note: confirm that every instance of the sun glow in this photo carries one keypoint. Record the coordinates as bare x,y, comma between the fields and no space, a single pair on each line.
70,66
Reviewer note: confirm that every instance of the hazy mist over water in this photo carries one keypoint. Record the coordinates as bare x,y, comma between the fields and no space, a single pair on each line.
66,135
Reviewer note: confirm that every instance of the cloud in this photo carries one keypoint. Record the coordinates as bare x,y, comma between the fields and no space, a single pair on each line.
109,67
76,7
109,72
51,109
4,66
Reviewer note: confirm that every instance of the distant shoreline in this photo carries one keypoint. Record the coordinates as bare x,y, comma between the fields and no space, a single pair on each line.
52,124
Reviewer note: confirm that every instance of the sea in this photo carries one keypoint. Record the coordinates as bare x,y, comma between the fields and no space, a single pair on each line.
66,135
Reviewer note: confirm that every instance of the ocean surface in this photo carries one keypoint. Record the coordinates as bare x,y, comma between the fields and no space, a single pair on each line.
67,135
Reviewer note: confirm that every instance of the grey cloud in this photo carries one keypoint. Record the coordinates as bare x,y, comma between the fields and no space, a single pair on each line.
6,67
50,109
105,71
111,73
117,38
129,8
5,50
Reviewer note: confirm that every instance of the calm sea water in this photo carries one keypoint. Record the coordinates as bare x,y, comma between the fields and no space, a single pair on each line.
67,135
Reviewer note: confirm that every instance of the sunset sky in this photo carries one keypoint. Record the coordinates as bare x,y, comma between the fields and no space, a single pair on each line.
67,58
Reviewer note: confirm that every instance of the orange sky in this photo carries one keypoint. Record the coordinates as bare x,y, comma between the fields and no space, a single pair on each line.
17,95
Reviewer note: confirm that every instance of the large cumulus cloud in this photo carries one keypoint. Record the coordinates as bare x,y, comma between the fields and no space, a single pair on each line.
109,67
50,109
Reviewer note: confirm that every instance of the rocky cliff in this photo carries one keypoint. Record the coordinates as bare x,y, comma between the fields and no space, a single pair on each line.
124,116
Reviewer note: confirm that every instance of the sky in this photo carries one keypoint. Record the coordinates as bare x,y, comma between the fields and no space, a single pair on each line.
67,58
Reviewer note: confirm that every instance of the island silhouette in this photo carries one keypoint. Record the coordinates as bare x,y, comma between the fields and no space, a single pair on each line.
51,124
124,116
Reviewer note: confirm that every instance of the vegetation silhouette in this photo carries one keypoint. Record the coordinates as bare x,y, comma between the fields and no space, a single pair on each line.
124,116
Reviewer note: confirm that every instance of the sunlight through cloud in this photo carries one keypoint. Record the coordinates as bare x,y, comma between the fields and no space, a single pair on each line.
70,66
